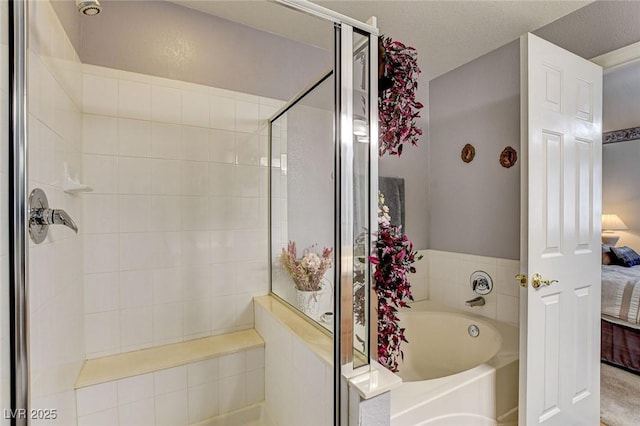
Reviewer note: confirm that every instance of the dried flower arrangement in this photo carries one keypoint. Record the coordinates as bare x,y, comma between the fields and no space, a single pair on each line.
397,105
307,271
394,261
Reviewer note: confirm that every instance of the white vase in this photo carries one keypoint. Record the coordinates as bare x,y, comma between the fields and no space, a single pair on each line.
309,301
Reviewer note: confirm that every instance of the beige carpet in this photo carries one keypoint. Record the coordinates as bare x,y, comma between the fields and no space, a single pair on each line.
619,397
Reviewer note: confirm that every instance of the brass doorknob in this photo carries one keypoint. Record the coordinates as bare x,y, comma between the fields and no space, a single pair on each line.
537,281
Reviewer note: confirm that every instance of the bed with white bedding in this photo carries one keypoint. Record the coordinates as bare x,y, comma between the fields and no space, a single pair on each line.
621,316
621,293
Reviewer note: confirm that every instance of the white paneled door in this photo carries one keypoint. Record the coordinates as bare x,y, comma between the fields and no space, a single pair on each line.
561,196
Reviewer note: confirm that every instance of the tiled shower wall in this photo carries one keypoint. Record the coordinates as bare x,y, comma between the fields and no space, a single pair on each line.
176,396
56,323
298,387
175,231
444,277
448,283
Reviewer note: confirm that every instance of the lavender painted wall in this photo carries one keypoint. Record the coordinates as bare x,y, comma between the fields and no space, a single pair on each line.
413,166
434,218
163,39
431,187
620,172
475,207
621,98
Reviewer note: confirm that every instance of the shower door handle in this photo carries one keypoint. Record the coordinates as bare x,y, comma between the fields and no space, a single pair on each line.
41,216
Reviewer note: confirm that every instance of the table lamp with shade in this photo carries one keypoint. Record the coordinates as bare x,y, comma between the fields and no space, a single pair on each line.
610,223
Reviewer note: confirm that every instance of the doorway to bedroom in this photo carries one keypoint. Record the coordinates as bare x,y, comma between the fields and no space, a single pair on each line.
620,343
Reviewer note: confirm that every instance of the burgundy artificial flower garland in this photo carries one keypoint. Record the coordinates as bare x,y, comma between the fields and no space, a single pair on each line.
397,105
395,256
393,264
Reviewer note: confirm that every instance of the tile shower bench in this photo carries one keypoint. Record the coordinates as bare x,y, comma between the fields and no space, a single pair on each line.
179,384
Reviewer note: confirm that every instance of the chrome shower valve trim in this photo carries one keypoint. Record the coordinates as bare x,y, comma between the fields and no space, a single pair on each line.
41,216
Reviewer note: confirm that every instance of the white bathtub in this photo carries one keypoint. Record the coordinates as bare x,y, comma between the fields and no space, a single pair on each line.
451,377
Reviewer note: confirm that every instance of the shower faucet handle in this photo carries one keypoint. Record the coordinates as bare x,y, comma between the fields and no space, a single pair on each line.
41,216
59,217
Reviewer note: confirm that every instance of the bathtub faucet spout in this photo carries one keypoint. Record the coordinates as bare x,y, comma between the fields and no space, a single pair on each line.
476,301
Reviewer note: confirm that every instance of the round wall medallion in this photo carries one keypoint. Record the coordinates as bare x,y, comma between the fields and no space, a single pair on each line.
508,157
468,152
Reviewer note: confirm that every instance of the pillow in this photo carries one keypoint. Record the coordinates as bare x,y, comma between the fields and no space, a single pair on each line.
625,256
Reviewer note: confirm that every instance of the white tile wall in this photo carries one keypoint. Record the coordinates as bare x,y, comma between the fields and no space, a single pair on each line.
448,282
176,396
175,233
56,325
292,369
166,104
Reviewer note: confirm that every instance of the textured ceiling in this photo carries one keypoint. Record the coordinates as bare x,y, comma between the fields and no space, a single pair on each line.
446,34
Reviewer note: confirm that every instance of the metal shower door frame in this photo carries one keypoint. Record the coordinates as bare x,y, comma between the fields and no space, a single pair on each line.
343,356
18,195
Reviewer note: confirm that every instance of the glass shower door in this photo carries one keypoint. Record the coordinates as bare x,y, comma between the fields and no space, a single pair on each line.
357,189
323,186
323,194
302,202
364,183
